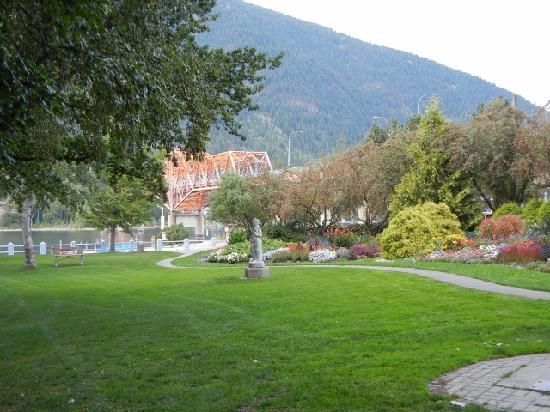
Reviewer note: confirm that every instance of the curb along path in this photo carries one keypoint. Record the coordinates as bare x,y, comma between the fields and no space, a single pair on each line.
457,280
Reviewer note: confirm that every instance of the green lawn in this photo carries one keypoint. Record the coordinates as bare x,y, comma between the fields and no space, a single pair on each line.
121,333
501,274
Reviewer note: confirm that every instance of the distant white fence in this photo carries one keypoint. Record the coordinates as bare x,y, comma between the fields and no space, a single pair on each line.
42,248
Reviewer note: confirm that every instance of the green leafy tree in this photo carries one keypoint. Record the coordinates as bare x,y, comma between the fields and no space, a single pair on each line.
509,208
232,202
127,203
487,152
118,80
370,172
432,178
377,134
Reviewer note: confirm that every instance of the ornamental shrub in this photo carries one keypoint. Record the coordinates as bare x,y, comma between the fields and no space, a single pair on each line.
530,212
510,208
417,230
501,228
317,242
176,232
520,252
543,218
341,237
455,242
237,235
342,253
290,256
363,250
242,247
283,232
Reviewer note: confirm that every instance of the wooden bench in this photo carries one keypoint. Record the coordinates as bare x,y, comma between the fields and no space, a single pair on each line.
60,253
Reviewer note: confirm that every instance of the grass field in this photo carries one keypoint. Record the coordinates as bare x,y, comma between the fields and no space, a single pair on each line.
501,274
121,333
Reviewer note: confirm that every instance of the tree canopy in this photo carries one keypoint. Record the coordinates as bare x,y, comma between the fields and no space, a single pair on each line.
114,81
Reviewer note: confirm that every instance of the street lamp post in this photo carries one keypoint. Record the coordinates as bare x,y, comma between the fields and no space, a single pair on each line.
382,118
291,133
161,217
418,103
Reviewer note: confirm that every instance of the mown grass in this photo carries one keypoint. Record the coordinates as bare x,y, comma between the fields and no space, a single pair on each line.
502,274
121,333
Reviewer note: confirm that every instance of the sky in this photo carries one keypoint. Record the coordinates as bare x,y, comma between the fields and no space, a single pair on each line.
505,42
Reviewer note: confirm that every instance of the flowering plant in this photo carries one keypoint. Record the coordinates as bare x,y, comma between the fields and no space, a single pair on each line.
363,250
322,256
219,256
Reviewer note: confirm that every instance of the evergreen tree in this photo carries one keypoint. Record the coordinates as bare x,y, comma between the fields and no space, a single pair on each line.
432,178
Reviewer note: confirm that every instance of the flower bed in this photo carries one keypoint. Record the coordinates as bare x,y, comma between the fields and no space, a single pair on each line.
322,256
483,253
219,256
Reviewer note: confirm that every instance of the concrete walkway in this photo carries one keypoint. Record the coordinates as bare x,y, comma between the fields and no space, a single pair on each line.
462,281
457,280
193,248
520,383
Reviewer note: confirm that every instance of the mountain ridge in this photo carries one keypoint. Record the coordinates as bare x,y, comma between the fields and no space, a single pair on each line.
332,85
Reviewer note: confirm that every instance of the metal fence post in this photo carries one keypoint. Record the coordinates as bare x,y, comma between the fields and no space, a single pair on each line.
11,249
43,248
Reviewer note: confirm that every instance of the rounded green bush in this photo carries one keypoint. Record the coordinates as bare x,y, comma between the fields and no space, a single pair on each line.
543,217
237,235
176,232
530,211
418,230
510,208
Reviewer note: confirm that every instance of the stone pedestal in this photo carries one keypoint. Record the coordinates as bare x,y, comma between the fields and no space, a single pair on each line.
256,270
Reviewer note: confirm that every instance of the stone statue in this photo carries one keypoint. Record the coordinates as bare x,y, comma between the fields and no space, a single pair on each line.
256,267
256,242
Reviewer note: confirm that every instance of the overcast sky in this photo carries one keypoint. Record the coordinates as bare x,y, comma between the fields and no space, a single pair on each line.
505,42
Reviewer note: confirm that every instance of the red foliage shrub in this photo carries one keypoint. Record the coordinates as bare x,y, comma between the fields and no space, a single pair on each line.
525,251
298,247
363,250
501,228
341,237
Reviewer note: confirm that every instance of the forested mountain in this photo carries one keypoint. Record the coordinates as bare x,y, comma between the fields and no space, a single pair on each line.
332,86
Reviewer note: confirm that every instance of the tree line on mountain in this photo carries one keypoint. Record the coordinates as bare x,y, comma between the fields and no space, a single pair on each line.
331,86
499,155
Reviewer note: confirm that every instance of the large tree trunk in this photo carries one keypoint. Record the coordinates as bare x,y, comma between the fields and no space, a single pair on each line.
112,236
26,220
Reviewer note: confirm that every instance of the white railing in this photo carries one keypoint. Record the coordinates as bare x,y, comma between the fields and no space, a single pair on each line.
42,248
97,247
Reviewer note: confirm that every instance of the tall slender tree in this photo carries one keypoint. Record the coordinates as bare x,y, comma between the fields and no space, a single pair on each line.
432,178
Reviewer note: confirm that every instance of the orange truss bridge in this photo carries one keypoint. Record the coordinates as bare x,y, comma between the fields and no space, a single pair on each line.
190,182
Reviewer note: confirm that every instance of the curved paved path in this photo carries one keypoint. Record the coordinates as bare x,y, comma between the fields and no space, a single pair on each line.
519,383
457,280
